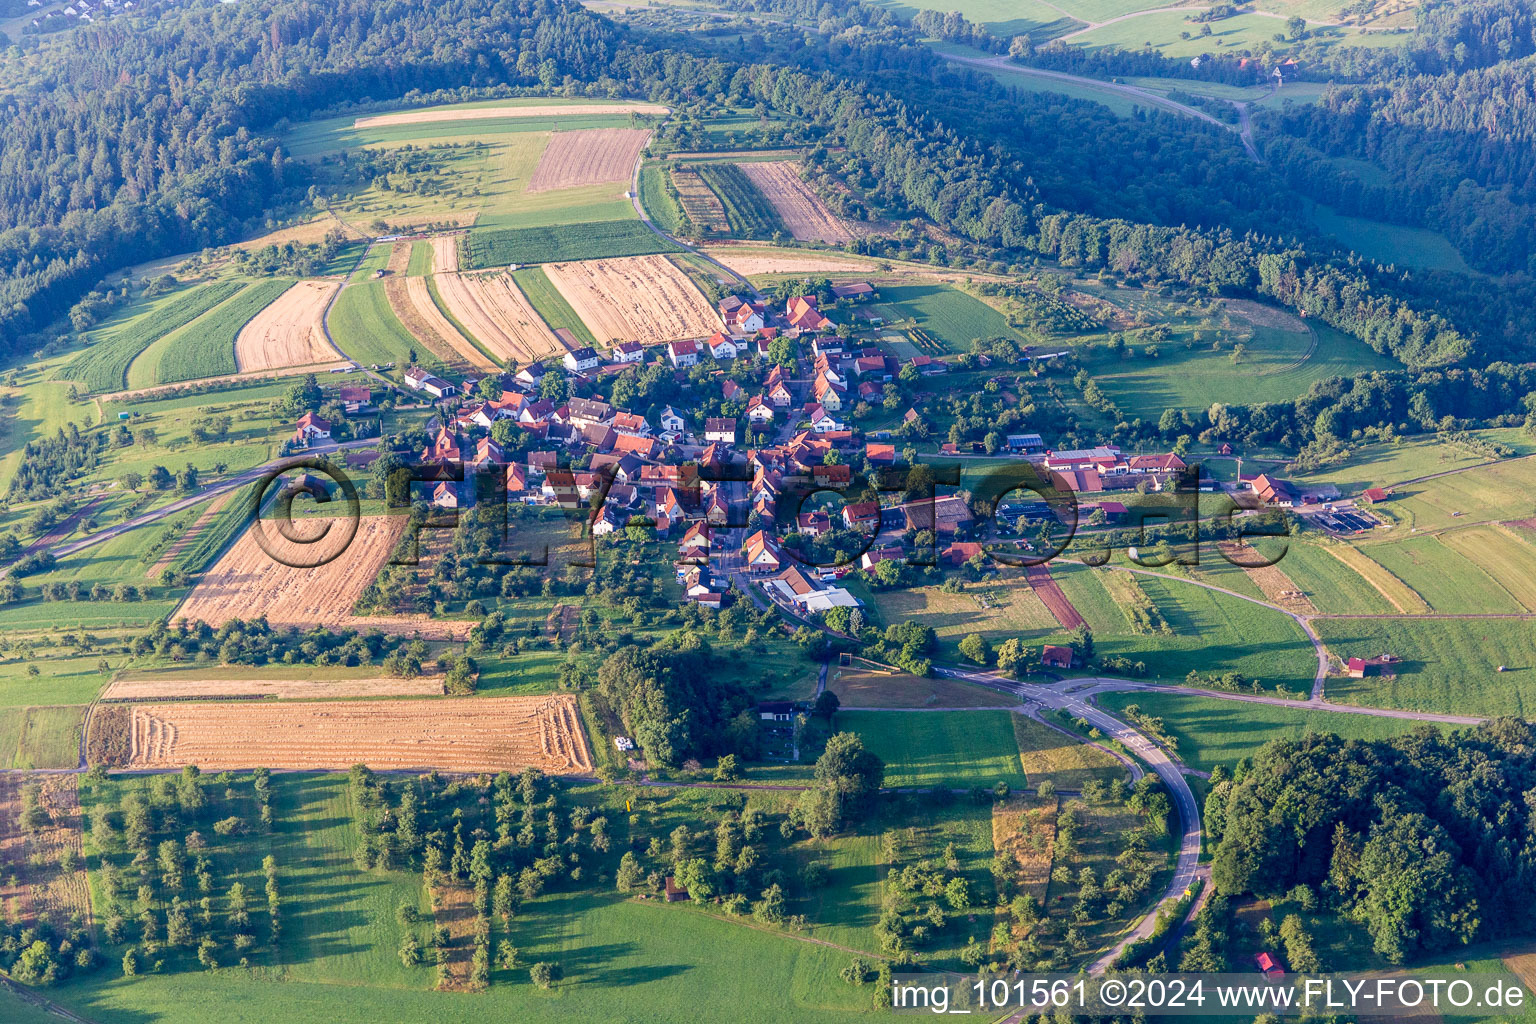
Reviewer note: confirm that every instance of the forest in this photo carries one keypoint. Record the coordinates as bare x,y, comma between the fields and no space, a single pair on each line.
1424,839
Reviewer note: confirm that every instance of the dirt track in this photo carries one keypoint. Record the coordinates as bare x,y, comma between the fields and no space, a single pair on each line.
489,113
592,156
798,205
289,331
637,298
494,309
489,734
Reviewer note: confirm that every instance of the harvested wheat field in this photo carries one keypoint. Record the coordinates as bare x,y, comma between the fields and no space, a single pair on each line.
637,298
445,253
748,262
798,205
476,734
592,156
699,201
289,332
282,689
412,302
489,113
494,309
247,582
1271,580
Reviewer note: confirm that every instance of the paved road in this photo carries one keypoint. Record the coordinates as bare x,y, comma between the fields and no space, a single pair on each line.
1243,129
227,484
1165,767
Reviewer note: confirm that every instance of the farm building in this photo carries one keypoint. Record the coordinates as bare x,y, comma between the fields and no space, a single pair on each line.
794,586
673,893
944,516
801,313
1055,656
1380,665
355,399
1269,966
1373,495
858,290
1274,491
1027,443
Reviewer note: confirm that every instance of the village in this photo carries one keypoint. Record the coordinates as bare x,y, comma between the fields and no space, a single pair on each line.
754,470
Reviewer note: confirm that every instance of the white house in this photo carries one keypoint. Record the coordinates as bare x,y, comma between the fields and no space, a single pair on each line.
722,347
309,429
581,360
628,352
421,380
672,420
720,429
683,353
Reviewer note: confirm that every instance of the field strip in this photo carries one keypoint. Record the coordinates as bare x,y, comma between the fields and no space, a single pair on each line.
590,156
1503,555
169,556
1398,594
399,257
491,113
247,582
1051,595
445,254
476,734
412,302
289,332
1273,583
699,201
635,298
798,205
202,383
496,312
749,262
314,689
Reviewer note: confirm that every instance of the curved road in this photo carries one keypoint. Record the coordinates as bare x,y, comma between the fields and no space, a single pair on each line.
1243,129
1186,867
